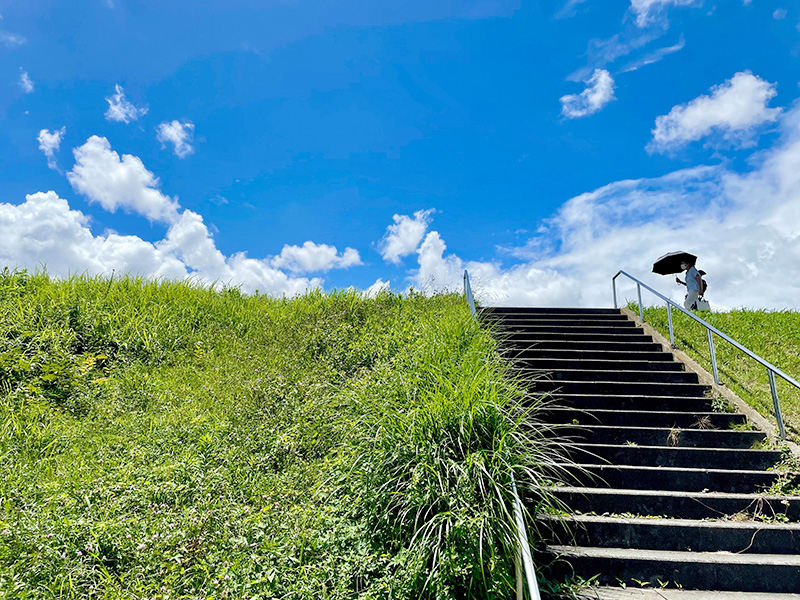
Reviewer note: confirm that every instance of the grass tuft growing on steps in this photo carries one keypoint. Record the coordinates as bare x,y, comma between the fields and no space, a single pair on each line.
165,440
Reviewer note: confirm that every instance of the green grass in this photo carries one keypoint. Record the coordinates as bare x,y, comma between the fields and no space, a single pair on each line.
775,336
165,440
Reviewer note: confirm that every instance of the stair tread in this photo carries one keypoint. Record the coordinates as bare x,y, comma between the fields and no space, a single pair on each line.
575,489
655,429
677,523
609,467
616,593
686,449
638,554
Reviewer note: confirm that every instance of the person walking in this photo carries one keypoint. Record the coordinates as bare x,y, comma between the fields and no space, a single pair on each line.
693,283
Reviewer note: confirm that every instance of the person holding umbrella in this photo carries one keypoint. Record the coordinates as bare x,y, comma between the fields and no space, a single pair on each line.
693,283
677,262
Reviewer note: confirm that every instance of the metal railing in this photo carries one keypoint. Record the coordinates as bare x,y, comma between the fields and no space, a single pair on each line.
772,370
524,566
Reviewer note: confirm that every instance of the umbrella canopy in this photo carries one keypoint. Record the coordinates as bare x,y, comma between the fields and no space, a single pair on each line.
671,262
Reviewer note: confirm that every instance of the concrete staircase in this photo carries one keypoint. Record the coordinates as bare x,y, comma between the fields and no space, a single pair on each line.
668,494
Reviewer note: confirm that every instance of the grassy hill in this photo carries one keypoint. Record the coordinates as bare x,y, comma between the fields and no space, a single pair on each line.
773,335
165,440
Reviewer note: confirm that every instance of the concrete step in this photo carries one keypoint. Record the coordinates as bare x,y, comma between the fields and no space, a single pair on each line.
661,436
559,321
535,310
579,346
644,418
624,376
682,535
534,330
538,353
593,365
530,337
678,504
617,388
672,478
666,456
721,571
639,593
636,402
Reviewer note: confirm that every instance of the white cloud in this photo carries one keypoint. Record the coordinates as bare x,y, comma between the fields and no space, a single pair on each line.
179,134
742,226
654,57
402,238
25,81
733,111
102,176
376,288
49,143
45,231
122,110
568,10
780,13
598,93
11,40
312,257
648,11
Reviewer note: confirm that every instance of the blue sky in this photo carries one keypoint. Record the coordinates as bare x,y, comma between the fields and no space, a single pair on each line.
286,145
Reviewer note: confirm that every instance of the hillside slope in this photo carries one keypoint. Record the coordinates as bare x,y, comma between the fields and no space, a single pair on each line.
773,335
165,440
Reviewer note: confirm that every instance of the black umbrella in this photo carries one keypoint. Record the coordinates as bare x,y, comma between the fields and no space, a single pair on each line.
671,262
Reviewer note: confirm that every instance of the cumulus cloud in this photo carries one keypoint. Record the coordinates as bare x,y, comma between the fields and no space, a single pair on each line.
45,231
120,109
403,238
741,225
376,288
311,257
25,81
732,111
779,13
648,11
113,182
178,133
598,93
49,143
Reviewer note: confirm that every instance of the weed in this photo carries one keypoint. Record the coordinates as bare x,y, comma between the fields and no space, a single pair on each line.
703,422
674,436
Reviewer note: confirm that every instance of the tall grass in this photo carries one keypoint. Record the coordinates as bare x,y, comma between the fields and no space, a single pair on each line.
773,335
165,440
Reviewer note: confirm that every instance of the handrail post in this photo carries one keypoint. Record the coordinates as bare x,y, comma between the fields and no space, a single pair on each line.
669,318
778,415
639,292
614,288
713,355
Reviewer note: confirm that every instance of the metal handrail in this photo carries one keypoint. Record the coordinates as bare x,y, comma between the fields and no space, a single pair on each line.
524,557
772,370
